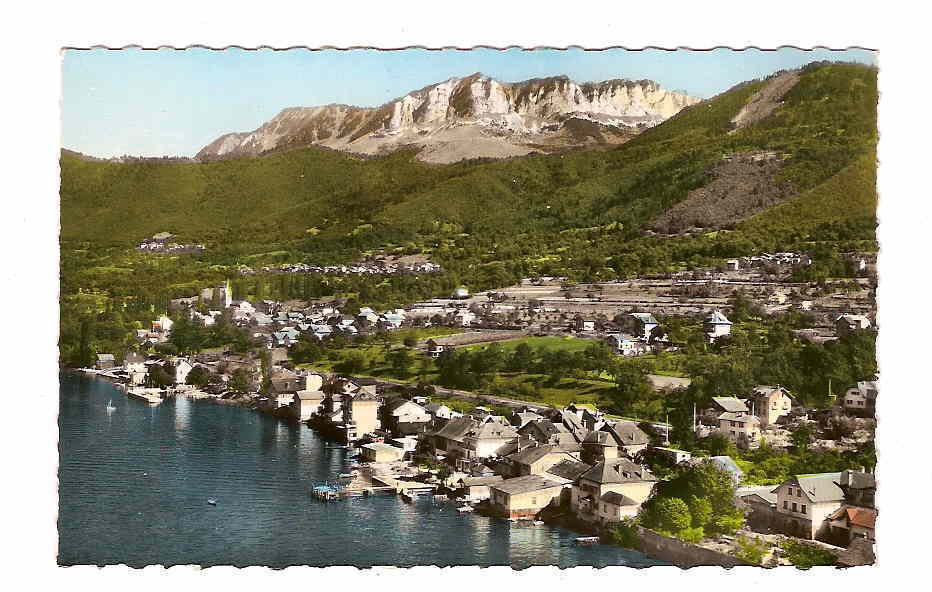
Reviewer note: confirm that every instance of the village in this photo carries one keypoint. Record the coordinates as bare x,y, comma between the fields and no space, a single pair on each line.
529,461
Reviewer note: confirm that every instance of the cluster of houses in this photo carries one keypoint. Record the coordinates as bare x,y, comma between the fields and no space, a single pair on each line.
836,508
768,413
363,268
765,259
160,243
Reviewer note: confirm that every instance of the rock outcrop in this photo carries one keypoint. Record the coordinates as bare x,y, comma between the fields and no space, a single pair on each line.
469,117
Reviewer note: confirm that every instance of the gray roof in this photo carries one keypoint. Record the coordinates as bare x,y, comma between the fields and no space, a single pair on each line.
493,430
618,470
627,433
528,483
733,404
457,428
742,417
532,454
600,437
617,499
857,480
569,469
821,487
310,395
476,481
768,493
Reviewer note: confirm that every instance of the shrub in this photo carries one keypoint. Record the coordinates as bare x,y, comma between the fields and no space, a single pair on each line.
805,555
750,549
625,534
692,535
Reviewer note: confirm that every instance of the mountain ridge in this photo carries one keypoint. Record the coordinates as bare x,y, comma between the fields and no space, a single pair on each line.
461,118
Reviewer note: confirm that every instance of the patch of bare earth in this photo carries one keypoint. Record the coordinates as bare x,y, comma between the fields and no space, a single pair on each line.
765,101
743,184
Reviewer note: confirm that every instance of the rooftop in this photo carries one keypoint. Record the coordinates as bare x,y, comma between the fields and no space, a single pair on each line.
528,483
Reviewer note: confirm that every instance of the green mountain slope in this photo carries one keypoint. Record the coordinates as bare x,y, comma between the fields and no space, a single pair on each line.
826,122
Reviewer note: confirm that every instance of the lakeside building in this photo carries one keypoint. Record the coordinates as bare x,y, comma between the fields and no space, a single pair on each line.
525,497
621,476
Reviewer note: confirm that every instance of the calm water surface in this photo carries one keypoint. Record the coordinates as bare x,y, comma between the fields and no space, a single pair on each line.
134,484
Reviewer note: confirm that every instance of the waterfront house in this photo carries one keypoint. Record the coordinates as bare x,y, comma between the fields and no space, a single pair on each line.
405,417
618,475
537,459
770,403
134,362
525,497
360,413
450,438
614,507
629,437
716,325
306,403
380,453
805,502
486,440
476,489
861,399
105,362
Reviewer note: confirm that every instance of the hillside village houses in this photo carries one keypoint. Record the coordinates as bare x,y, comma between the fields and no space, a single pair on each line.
716,325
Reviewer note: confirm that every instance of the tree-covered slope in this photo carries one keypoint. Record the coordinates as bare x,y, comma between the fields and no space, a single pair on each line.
825,126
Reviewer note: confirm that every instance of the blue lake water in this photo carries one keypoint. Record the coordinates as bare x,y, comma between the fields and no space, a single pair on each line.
134,484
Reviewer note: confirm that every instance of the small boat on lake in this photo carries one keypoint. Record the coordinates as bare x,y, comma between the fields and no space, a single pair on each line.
212,501
465,509
590,540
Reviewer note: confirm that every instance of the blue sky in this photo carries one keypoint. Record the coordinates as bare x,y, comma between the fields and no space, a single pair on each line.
173,102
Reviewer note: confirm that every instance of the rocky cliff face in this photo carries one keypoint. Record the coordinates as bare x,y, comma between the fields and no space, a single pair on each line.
469,117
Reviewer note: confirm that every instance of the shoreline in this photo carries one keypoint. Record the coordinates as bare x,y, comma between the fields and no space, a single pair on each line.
553,517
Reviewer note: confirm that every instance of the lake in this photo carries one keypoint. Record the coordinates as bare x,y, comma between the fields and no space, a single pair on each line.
134,484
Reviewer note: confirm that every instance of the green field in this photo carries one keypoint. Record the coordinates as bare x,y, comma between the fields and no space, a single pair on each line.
570,344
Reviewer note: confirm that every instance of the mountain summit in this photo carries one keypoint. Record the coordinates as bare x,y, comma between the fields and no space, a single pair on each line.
471,117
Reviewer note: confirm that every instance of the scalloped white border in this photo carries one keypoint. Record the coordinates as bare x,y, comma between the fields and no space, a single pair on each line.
39,29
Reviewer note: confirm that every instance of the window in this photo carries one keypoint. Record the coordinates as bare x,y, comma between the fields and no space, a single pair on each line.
790,491
794,506
804,508
785,504
534,501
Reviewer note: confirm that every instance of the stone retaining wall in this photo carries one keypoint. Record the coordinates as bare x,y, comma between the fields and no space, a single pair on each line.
681,553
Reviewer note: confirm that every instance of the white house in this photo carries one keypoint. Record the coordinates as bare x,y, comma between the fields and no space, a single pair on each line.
716,325
805,501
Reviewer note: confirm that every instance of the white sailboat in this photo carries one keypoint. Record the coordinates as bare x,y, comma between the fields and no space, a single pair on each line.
110,406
